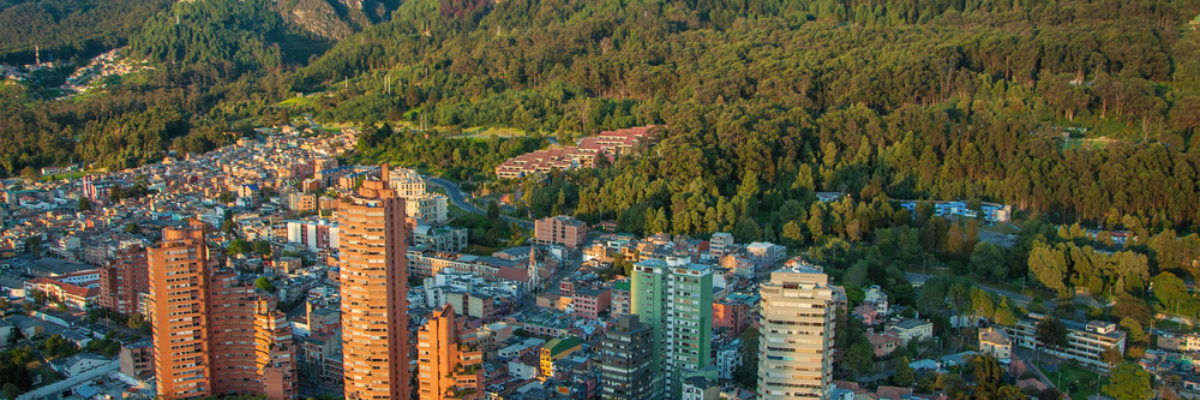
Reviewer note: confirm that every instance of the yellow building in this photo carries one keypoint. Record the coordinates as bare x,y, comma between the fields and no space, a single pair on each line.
555,350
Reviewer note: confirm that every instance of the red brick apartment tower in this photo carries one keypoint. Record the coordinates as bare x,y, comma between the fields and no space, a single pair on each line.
250,342
178,273
213,333
374,279
122,278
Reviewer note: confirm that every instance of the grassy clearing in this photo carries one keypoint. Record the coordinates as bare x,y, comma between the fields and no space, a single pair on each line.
298,102
1075,381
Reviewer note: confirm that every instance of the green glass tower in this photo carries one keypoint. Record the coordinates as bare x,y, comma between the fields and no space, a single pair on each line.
675,298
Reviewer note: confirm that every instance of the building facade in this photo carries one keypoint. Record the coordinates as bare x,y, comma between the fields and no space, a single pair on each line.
562,230
675,298
373,276
796,338
122,278
178,269
446,368
626,370
1086,343
214,335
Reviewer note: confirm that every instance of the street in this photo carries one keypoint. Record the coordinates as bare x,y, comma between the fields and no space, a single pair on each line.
1018,298
460,200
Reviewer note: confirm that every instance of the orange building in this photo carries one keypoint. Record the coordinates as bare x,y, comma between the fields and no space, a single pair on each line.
374,278
213,333
178,270
274,350
446,368
122,278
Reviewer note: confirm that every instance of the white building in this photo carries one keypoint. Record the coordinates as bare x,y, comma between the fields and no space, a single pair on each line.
721,244
429,208
875,296
796,338
1086,343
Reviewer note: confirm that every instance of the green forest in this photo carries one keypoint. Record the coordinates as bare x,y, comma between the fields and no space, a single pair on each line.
69,30
1079,113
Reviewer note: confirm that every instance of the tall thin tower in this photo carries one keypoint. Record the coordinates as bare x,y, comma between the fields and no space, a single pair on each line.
374,277
796,340
179,269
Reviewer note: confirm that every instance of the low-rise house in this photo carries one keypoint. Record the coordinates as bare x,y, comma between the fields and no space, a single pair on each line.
884,344
79,363
137,359
996,343
911,329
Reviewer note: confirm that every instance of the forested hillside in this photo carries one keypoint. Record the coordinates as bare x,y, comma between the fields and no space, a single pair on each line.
1077,113
69,30
1073,109
1078,109
217,65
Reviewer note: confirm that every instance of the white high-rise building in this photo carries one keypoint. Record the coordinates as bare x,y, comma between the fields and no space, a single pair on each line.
796,340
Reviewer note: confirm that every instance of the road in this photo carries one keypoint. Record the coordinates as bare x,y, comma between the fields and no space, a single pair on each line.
460,200
1179,319
1018,298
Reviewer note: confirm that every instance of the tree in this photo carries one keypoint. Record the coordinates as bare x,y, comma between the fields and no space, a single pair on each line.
988,260
1170,291
904,376
11,391
859,356
1049,265
264,284
988,375
239,246
31,174
33,245
954,386
262,247
747,373
56,346
228,226
793,235
137,321
493,211
1052,332
133,228
225,197
1129,382
1112,356
84,204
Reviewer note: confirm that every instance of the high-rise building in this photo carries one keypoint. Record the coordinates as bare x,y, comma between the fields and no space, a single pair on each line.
178,271
796,338
122,278
373,275
675,298
446,367
627,351
252,350
214,334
